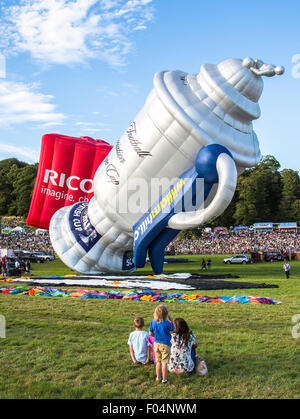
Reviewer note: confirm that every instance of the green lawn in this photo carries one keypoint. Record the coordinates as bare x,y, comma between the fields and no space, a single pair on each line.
74,348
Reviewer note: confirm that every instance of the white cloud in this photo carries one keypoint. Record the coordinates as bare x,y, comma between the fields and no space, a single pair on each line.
95,130
21,103
124,90
92,127
2,67
20,151
73,31
89,124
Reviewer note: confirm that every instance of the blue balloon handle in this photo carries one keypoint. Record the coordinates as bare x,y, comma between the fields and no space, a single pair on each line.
151,233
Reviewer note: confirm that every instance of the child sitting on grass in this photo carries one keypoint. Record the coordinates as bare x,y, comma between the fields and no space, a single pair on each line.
139,346
183,345
183,358
160,328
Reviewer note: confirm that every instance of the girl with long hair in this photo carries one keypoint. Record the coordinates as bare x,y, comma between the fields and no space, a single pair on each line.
183,344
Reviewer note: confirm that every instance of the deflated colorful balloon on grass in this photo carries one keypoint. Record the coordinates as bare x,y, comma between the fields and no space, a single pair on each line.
135,295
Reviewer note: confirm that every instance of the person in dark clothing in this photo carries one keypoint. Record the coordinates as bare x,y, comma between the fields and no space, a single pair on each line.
3,272
27,266
203,266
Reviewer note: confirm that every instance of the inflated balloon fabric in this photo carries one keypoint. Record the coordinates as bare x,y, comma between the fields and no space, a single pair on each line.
184,115
64,177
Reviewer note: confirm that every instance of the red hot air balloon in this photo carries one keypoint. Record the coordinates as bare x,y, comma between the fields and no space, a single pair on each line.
65,175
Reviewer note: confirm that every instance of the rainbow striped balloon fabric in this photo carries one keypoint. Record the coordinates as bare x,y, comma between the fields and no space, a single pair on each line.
135,295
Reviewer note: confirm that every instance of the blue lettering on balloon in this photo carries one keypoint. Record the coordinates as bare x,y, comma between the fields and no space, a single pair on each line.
81,227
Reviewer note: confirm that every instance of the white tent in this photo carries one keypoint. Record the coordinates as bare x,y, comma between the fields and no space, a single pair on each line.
7,252
6,230
207,230
40,231
18,230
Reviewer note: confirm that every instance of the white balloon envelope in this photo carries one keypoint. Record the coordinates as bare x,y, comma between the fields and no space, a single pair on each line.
192,126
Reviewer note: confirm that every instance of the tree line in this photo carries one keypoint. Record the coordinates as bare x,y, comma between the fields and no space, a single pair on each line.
263,193
17,181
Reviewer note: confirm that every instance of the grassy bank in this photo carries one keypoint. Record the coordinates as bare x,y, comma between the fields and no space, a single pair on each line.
72,348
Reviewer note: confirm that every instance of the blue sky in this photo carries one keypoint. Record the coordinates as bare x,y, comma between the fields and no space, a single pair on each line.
85,67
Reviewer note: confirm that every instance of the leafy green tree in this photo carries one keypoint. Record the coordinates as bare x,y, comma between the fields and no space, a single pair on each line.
23,185
263,193
289,207
16,186
259,193
227,218
296,211
6,187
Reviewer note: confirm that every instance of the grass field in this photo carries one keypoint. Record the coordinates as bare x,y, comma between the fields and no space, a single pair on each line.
74,348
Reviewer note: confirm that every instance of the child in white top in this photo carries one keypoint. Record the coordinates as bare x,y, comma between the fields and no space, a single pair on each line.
139,345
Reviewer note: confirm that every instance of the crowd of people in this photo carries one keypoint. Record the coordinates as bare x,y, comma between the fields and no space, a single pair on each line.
27,240
14,266
232,243
206,244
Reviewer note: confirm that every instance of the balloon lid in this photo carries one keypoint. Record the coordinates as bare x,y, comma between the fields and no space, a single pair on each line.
236,85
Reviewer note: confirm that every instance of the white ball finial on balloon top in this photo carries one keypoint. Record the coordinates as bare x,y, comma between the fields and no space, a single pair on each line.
259,68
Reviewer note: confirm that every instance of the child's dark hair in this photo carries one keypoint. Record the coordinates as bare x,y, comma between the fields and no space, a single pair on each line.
183,331
139,322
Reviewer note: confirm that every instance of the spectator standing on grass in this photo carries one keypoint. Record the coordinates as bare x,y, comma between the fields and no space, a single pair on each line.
17,264
161,329
27,266
3,267
7,267
286,268
203,266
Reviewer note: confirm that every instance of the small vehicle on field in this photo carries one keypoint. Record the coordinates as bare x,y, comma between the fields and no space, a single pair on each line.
40,257
35,258
237,259
47,257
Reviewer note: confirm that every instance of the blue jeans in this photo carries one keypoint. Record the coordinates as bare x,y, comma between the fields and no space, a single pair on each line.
193,353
